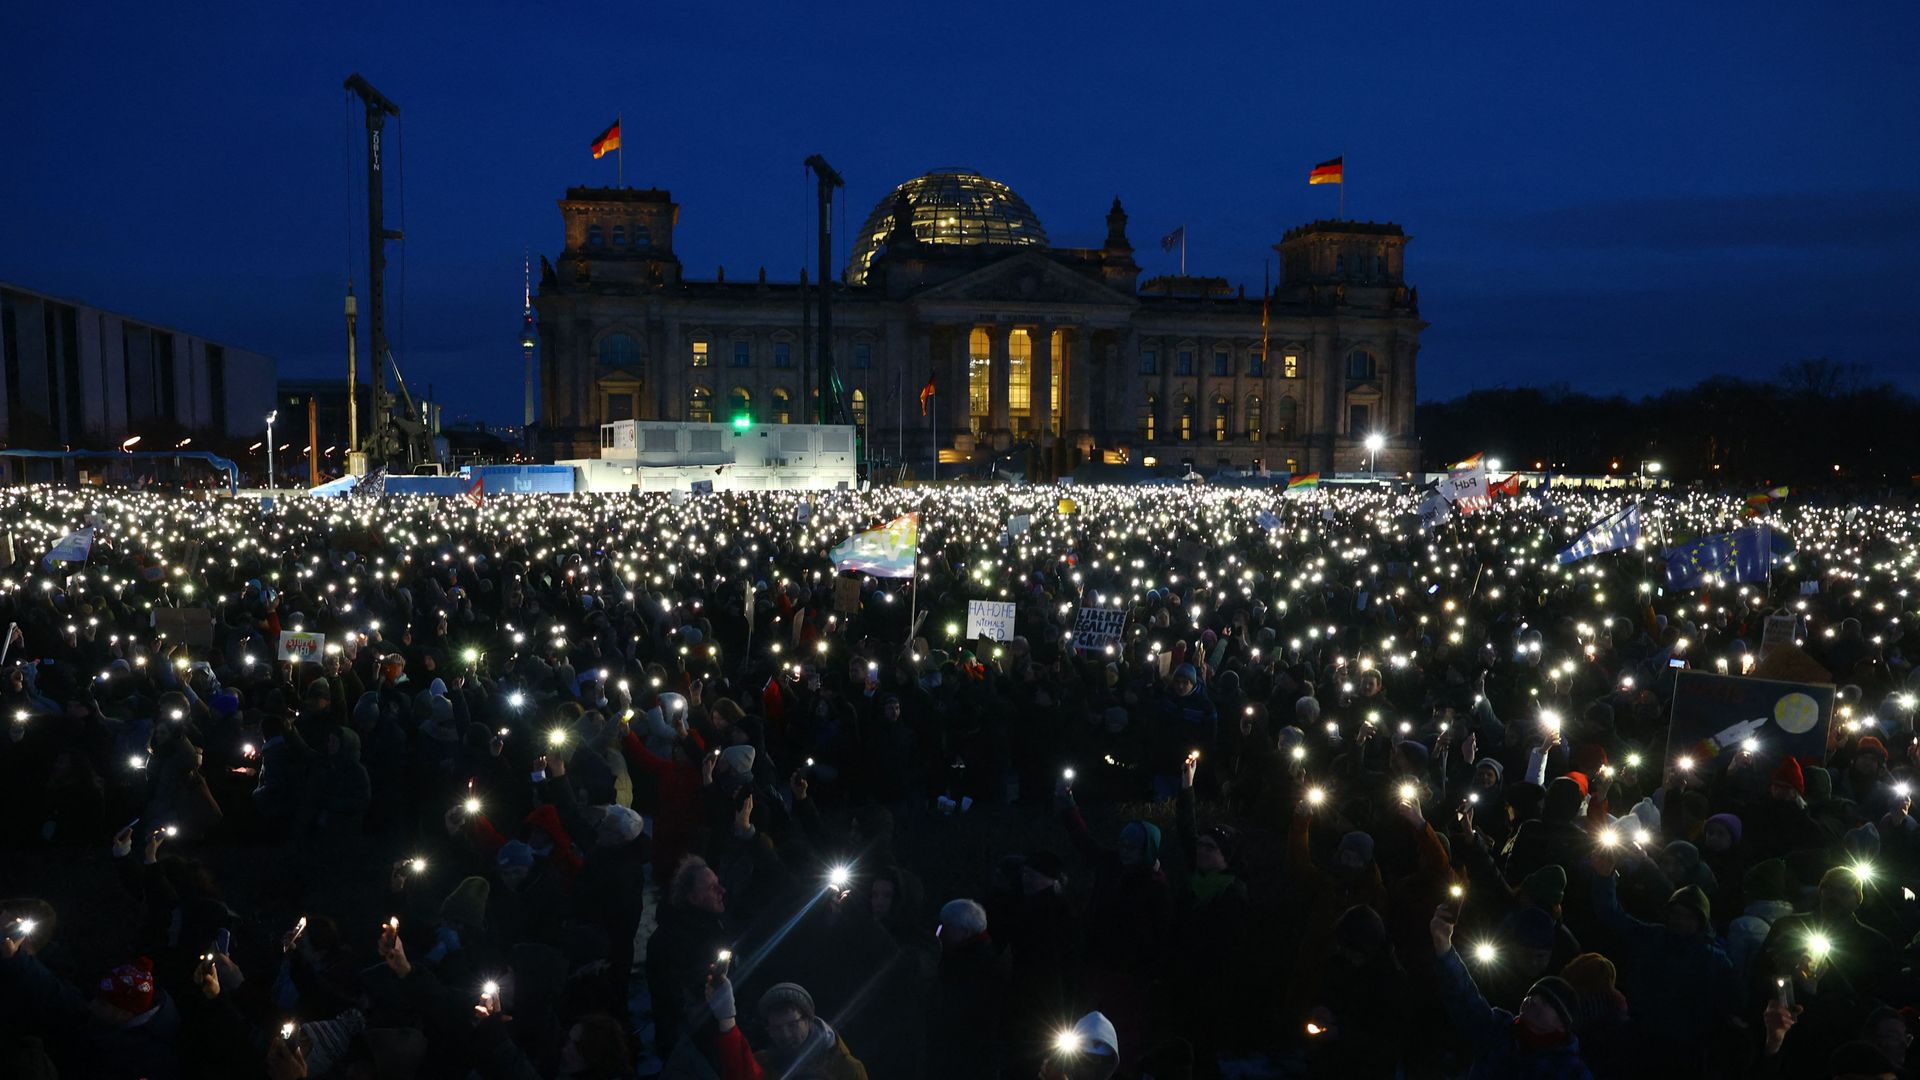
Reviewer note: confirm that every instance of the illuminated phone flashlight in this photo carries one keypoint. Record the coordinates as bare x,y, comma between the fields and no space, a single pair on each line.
516,699
489,988
1406,728
725,956
417,864
1299,753
1067,1042
1642,837
1316,796
1863,872
504,732
472,805
1486,952
839,876
1684,764
557,737
1633,761
287,1029
136,762
1314,1029
1066,774
1408,793
1550,720
1193,756
25,926
1750,746
1473,798
171,831
1903,789
1818,945
471,656
393,924
1606,770
1456,891
1609,838
1333,728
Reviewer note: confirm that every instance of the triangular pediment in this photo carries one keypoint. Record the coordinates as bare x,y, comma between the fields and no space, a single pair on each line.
1024,278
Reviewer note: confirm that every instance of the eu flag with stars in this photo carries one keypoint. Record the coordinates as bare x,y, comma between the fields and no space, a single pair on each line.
1742,555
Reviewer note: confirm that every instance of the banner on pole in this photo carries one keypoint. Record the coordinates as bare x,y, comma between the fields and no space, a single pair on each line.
1719,714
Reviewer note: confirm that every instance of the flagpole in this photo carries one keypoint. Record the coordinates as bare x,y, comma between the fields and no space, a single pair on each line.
1183,251
620,153
1343,187
933,471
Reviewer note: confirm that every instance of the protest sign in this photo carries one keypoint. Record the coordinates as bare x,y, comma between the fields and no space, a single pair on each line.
1717,714
846,595
803,512
301,647
191,626
1018,524
702,487
1095,628
1779,630
990,619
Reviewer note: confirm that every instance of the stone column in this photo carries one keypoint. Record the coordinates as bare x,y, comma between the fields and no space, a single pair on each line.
1076,398
999,428
1040,369
951,395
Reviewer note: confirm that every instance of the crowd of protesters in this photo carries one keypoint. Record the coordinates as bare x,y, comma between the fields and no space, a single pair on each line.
608,787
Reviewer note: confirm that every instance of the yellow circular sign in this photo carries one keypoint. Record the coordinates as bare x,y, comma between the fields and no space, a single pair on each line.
1797,713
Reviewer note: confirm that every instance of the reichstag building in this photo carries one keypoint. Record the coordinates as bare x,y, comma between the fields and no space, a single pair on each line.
1065,350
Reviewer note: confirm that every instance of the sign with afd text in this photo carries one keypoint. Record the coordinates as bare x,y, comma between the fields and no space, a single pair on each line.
301,647
1716,715
990,619
1096,629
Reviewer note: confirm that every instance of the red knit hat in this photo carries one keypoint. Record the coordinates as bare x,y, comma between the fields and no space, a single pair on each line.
1581,779
129,987
1874,745
1789,774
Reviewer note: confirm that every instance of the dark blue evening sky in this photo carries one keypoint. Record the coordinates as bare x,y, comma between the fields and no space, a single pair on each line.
1617,197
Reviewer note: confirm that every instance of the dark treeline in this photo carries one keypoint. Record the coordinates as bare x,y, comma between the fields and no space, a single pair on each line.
1793,428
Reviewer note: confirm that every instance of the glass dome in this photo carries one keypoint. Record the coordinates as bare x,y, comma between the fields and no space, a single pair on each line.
950,206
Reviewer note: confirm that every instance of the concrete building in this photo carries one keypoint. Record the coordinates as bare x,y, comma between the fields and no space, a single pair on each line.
82,378
952,277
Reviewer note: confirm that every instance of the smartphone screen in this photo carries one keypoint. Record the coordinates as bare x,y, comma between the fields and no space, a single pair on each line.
1676,662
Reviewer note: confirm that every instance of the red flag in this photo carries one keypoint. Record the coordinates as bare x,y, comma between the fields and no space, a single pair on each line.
925,393
606,140
477,491
1509,486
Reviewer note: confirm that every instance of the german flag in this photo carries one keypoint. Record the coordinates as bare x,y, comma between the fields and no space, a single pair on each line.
926,392
606,140
1329,172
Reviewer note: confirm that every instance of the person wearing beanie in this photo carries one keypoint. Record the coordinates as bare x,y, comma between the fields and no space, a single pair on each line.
1865,778
1090,1050
1187,720
130,1027
1679,980
1546,887
1556,838
1539,1040
1860,954
1207,945
1721,852
1680,862
799,1042
1780,824
968,996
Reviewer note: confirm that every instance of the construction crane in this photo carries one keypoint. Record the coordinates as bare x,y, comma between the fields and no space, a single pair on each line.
833,407
398,437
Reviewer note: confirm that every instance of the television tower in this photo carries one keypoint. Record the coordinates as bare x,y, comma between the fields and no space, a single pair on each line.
527,342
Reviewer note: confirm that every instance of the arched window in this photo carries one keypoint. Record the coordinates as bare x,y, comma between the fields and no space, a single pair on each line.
739,404
700,406
1149,418
1019,379
619,236
860,408
1255,426
619,350
979,378
782,405
1222,417
1283,416
642,238
1186,417
594,237
1361,365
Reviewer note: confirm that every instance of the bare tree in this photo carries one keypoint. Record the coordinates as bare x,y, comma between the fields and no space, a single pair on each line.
1823,378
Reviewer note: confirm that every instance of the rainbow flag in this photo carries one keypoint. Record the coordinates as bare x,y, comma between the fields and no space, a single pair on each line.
1470,462
1305,482
889,551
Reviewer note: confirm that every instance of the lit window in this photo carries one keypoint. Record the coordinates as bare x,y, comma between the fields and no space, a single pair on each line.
1254,426
862,355
783,354
739,404
699,353
700,406
1222,418
1019,378
783,406
1186,417
1149,361
1149,418
743,354
1292,365
860,408
979,378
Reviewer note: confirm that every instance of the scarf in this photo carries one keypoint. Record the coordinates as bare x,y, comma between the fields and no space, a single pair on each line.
1533,1042
1207,887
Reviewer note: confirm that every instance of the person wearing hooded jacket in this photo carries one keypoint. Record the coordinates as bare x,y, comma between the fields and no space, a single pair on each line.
1679,978
801,1046
1212,985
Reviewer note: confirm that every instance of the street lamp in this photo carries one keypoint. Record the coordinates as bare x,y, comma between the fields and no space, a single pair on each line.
1374,442
129,442
1648,468
271,417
